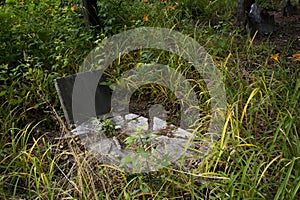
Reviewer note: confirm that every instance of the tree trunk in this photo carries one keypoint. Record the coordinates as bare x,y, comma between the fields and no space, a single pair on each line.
90,13
2,2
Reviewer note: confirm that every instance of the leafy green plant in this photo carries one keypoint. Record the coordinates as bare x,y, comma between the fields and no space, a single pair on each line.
109,128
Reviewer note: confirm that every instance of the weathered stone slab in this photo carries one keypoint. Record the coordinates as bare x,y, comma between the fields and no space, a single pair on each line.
160,150
155,143
64,87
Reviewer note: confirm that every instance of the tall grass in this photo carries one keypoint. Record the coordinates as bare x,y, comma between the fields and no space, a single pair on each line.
257,156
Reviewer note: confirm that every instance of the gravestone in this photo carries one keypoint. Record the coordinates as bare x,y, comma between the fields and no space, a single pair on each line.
165,143
259,20
64,87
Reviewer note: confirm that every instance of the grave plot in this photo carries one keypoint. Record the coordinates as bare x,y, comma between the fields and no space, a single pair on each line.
134,143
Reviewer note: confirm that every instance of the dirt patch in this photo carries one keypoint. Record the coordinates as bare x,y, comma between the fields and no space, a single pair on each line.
287,31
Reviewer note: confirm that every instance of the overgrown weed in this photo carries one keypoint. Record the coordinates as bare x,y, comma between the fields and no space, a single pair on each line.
256,157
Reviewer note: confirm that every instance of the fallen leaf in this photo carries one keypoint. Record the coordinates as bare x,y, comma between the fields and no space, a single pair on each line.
275,57
297,56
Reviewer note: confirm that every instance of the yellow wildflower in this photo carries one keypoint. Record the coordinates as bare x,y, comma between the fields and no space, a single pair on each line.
171,7
73,8
275,57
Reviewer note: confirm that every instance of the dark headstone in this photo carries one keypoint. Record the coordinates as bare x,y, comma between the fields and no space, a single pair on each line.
244,7
64,88
288,9
259,20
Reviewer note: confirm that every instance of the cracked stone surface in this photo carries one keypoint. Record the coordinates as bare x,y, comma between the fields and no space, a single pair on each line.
153,148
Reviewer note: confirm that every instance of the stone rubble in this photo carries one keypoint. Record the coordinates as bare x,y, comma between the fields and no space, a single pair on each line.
161,151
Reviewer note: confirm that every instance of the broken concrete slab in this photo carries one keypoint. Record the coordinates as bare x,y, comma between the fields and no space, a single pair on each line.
146,144
135,122
158,124
151,149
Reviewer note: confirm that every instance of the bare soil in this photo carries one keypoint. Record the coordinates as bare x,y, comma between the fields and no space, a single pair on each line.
287,31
